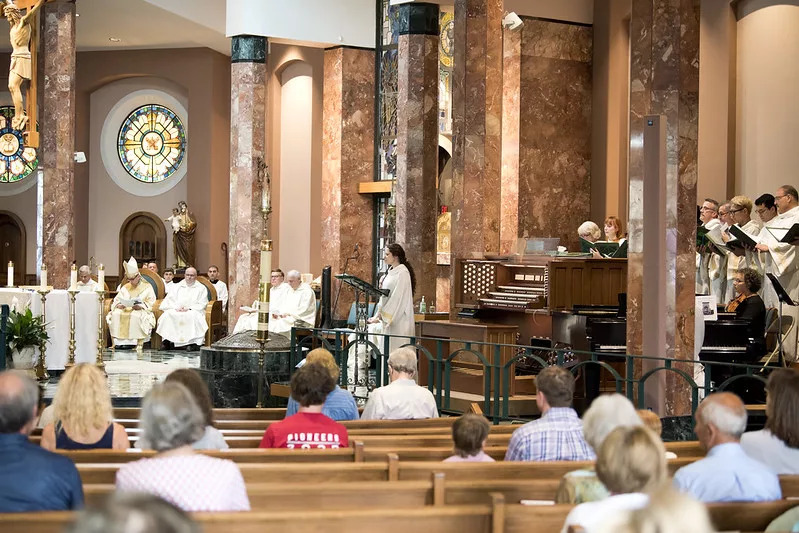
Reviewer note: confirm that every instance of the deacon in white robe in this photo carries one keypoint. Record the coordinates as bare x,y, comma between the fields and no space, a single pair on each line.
131,319
85,282
297,306
781,259
183,320
219,285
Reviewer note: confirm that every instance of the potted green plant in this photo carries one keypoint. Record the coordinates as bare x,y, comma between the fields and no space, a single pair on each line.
24,335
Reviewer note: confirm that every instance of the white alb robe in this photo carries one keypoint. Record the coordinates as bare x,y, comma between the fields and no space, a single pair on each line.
249,321
748,260
299,305
129,326
182,328
91,286
395,311
716,264
221,292
169,287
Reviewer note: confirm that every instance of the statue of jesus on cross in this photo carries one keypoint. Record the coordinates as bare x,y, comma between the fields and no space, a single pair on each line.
21,54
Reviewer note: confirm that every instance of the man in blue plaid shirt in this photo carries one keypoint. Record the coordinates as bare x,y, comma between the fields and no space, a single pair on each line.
558,434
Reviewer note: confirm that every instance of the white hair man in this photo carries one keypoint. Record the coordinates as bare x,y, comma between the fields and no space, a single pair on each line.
183,321
248,321
219,285
727,474
711,276
131,319
402,399
297,306
85,282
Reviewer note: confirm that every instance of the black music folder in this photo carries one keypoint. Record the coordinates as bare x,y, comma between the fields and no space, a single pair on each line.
792,235
742,241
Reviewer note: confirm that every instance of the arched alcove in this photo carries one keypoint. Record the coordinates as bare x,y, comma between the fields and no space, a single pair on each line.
142,236
13,243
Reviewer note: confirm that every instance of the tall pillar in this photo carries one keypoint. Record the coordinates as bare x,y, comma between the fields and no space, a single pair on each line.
476,129
57,124
348,120
664,80
417,142
247,150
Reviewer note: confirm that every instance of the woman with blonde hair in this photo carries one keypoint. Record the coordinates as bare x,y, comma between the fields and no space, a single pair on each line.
82,412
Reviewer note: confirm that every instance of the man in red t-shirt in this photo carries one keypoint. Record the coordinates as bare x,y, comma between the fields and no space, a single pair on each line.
309,428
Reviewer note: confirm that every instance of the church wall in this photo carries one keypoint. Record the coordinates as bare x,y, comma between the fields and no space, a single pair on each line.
768,110
205,76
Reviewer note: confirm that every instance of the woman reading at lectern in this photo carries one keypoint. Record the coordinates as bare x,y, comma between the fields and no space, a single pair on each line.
395,311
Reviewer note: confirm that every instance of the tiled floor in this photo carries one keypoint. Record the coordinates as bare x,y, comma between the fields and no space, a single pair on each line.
130,375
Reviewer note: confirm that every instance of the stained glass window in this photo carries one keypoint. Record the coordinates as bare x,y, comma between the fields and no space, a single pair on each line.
17,161
152,143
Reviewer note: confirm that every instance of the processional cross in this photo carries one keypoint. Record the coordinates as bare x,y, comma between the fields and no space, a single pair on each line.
24,41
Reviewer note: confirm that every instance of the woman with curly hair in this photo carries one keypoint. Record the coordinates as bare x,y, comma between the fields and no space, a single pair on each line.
84,418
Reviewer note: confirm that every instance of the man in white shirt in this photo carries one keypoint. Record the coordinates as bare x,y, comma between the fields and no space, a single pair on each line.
183,321
402,399
85,282
131,319
219,285
297,306
169,284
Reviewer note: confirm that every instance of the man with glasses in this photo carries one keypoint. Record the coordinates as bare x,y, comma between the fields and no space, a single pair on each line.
131,319
765,208
183,320
711,267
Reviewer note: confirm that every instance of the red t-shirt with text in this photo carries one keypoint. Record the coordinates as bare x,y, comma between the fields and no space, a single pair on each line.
308,431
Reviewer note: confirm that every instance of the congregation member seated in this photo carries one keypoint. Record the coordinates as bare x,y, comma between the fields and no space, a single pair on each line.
31,478
727,474
183,320
82,412
749,306
558,434
339,404
469,435
134,513
310,428
85,282
631,463
169,283
213,438
131,319
668,511
171,422
219,285
402,398
297,306
653,422
606,413
777,446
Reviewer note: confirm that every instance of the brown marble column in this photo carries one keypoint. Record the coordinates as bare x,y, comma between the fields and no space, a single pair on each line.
546,137
476,129
247,152
664,80
57,126
348,120
417,142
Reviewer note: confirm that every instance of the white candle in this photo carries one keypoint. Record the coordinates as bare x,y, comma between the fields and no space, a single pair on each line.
101,278
43,277
73,277
11,273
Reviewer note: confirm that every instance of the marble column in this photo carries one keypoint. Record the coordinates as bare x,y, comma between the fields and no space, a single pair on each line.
57,126
348,121
476,130
247,152
664,80
546,131
417,142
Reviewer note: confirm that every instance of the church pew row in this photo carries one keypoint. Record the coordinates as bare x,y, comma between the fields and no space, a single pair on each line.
392,469
497,517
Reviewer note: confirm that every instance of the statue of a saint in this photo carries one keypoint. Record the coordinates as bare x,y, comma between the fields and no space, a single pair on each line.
20,56
183,239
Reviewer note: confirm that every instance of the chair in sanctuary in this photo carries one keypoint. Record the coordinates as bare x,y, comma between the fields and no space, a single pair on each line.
157,284
213,313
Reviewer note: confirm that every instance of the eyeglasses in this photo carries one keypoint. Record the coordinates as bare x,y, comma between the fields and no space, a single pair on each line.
733,211
780,196
703,208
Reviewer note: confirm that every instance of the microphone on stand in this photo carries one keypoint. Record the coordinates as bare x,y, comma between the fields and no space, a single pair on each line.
356,254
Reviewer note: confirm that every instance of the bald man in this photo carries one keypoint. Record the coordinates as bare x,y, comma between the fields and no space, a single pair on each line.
183,321
727,474
297,307
33,479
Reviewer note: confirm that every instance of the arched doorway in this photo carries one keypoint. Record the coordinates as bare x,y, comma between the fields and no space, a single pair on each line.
13,244
143,236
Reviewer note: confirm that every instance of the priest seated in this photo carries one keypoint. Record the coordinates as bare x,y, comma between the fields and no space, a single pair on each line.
131,318
183,320
85,282
297,307
249,320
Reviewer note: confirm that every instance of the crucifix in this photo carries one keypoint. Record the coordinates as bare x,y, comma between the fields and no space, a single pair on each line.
24,39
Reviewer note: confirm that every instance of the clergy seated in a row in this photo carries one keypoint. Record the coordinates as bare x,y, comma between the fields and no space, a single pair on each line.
291,304
249,320
219,285
85,282
131,319
182,322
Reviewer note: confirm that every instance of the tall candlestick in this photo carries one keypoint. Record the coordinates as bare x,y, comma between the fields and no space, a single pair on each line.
100,333
101,278
73,277
43,277
11,273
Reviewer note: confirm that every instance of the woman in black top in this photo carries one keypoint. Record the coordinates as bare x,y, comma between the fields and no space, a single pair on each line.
750,307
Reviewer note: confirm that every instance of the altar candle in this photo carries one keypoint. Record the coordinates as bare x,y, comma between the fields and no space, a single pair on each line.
43,277
73,277
11,273
101,278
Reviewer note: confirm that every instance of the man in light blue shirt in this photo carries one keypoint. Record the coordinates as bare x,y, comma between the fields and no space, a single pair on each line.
727,474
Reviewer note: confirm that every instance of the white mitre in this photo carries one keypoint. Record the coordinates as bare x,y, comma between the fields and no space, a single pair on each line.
131,268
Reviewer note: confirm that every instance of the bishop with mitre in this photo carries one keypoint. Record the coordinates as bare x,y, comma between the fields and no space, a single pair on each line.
131,319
